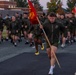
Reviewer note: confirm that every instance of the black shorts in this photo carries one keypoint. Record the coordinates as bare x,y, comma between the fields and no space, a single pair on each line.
1,30
54,43
14,33
37,37
25,29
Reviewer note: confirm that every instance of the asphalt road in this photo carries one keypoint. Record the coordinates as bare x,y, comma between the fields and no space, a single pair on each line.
21,60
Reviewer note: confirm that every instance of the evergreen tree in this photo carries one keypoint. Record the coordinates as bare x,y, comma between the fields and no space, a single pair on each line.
21,3
71,4
53,5
37,5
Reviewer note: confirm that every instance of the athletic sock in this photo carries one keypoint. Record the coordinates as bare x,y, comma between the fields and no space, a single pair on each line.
51,69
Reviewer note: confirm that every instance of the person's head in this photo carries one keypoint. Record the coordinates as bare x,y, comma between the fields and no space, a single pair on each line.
58,16
43,15
7,16
52,17
17,14
20,16
66,15
13,18
25,15
70,15
62,16
75,15
0,15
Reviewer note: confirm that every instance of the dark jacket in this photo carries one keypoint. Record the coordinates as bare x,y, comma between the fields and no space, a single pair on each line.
7,22
52,30
14,27
1,23
25,24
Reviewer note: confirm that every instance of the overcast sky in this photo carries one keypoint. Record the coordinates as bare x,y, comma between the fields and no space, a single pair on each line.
44,2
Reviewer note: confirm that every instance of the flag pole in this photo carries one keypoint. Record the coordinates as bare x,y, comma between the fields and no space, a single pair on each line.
35,15
49,43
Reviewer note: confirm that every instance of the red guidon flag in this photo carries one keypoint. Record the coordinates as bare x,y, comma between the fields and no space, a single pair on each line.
32,13
74,10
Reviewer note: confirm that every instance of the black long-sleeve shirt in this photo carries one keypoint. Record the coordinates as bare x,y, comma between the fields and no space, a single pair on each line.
14,26
25,24
1,23
52,30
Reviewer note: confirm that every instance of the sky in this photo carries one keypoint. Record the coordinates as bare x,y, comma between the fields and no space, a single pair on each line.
44,3
64,3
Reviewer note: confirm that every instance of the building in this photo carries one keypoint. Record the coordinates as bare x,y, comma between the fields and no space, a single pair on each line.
6,4
10,7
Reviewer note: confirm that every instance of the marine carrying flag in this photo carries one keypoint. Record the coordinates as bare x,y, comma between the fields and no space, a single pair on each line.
32,13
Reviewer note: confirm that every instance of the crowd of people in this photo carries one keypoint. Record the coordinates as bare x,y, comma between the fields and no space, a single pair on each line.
59,28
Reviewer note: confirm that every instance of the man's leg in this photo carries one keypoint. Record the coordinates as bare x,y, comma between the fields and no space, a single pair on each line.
52,58
36,46
30,37
40,42
26,37
63,42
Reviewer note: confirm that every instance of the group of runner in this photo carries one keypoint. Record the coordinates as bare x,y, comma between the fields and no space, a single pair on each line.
58,28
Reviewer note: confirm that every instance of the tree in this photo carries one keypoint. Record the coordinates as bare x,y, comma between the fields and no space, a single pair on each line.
53,5
21,3
71,4
60,10
37,5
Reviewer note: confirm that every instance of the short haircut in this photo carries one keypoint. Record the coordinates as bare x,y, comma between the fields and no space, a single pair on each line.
17,13
25,13
52,14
